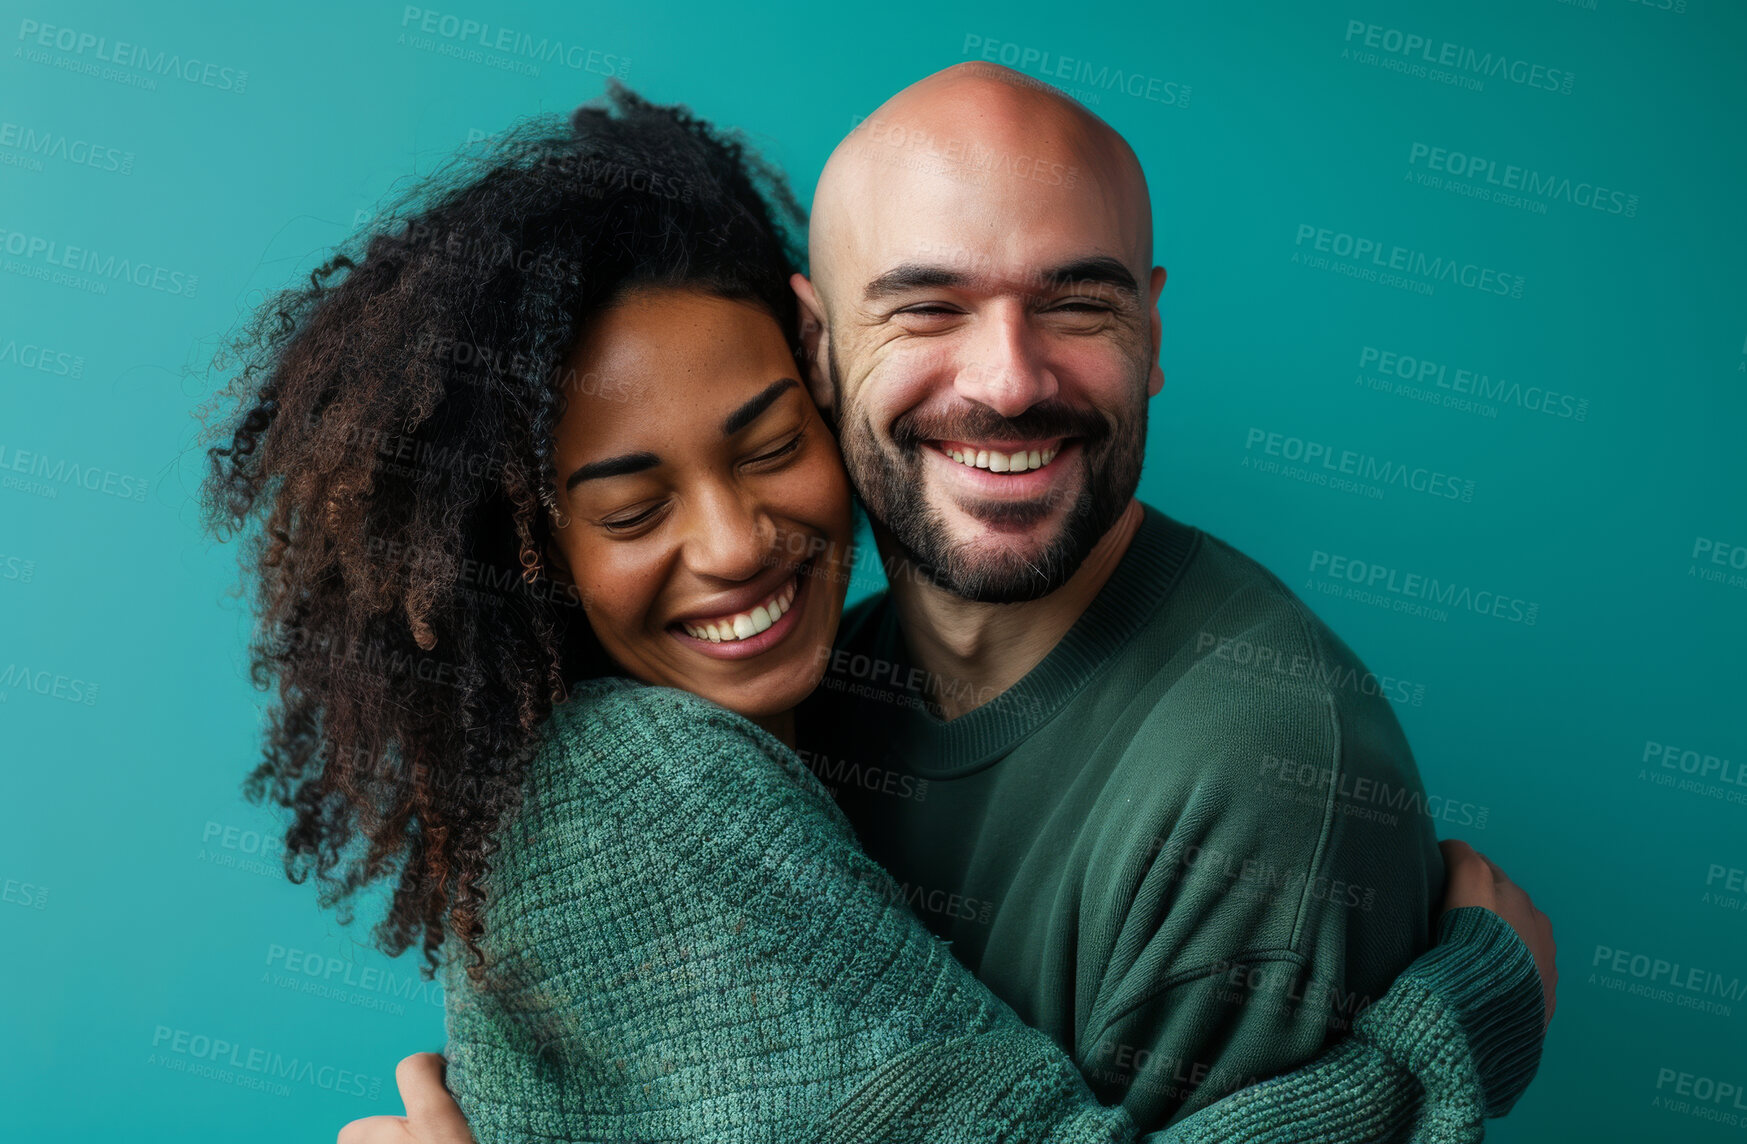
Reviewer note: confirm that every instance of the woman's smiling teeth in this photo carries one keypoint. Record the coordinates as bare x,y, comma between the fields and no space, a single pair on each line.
997,462
744,625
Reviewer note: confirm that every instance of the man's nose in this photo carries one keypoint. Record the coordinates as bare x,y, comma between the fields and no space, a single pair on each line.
1004,367
732,535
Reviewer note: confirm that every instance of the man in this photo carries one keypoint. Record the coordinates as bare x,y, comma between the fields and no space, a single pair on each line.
1191,874
1151,886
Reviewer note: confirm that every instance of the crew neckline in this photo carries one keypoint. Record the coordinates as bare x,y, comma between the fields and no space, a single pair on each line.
1144,578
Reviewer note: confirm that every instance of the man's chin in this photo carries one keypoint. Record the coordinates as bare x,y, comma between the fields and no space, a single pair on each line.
968,517
1003,556
1002,578
1025,524
1023,529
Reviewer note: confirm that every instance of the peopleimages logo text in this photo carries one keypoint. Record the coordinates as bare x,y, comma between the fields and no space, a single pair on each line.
1381,578
136,57
1406,260
1364,466
54,145
82,260
1510,177
511,42
1458,57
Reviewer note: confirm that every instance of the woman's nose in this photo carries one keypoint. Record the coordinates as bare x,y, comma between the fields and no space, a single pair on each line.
732,536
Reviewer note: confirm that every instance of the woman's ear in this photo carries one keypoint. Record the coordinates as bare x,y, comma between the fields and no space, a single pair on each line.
815,344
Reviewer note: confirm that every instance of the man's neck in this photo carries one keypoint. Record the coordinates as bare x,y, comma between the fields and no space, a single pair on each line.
973,652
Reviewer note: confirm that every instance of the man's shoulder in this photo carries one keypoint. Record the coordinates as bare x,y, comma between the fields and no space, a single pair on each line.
1264,737
1250,622
1238,589
1254,676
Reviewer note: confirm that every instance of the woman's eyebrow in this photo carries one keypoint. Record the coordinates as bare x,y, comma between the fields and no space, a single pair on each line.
628,463
748,413
612,467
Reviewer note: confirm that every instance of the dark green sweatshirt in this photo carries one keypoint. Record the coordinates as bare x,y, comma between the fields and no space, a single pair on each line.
1191,845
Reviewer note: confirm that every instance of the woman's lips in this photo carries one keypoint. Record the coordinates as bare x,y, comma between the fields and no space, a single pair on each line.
791,596
744,625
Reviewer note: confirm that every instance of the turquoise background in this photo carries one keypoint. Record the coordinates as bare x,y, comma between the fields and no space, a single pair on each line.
141,924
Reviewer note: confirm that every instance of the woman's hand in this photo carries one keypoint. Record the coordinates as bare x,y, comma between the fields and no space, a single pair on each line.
1475,881
432,1116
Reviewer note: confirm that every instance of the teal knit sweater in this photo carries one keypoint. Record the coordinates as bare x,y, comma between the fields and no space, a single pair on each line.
684,942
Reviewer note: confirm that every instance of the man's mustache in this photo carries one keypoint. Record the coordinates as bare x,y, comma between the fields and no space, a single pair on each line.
979,423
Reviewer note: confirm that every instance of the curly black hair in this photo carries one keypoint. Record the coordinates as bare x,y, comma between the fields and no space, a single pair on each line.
388,458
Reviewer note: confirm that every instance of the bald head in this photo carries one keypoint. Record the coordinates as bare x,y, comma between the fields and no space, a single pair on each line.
981,324
992,143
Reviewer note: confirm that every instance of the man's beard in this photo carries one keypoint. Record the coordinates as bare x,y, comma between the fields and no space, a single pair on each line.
893,490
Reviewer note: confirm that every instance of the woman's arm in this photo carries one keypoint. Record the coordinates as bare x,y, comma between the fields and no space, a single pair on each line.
1453,1041
728,947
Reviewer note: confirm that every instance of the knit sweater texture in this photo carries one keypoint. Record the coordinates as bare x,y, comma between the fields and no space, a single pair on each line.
685,942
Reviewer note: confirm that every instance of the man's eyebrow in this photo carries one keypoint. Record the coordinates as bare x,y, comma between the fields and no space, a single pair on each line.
612,467
912,276
921,276
752,410
1099,269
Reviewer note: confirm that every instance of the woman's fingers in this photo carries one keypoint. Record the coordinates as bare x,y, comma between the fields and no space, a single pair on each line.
1469,877
432,1116
1475,880
375,1130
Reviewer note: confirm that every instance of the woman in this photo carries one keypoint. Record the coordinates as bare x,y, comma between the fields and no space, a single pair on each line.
549,544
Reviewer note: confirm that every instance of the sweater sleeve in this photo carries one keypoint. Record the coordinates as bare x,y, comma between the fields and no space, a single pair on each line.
1453,1041
1456,1039
689,944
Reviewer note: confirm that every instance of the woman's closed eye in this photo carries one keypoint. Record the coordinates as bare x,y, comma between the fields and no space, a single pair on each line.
787,448
631,521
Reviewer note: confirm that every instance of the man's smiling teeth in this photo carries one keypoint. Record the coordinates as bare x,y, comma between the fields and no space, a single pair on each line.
746,624
1002,462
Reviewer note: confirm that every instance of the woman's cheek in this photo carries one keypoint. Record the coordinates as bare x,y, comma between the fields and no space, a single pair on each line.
839,504
813,511
826,475
620,593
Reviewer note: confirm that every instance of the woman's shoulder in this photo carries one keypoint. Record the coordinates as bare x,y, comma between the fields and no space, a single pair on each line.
611,752
617,696
616,714
612,734
619,755
631,778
